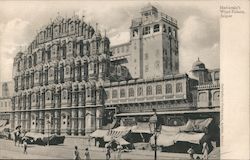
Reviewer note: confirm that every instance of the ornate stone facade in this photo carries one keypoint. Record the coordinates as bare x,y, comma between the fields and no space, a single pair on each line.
58,82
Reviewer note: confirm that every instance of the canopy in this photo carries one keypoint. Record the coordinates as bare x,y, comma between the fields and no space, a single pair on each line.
3,127
191,137
197,125
99,133
141,128
35,136
121,141
3,123
117,132
167,136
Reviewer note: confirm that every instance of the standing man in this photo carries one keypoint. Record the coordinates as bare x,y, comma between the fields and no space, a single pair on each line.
108,153
25,146
87,155
76,154
191,152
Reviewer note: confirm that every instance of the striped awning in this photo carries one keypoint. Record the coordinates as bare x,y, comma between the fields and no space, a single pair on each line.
116,133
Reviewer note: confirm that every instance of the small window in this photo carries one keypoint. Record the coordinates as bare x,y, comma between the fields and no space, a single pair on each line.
122,93
67,71
114,94
149,90
156,28
131,92
64,95
139,91
178,87
48,96
168,88
135,32
164,28
158,89
146,30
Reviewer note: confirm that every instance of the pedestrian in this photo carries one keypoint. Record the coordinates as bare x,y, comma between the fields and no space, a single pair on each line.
205,150
76,154
87,155
191,152
119,152
25,146
108,153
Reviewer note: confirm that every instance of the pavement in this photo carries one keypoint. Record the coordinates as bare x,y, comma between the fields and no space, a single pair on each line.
66,151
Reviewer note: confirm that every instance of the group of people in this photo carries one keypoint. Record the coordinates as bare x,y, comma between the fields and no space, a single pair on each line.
205,151
108,153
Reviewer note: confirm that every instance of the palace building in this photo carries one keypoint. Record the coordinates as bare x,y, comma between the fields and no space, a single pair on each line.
70,81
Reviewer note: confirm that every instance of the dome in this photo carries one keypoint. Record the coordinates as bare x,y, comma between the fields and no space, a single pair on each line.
198,65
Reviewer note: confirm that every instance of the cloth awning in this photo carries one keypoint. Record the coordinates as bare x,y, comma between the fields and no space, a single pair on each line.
121,141
116,132
35,136
141,128
167,136
3,127
99,133
191,137
197,125
3,123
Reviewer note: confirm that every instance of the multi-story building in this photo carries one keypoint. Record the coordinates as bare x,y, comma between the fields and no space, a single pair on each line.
6,92
71,81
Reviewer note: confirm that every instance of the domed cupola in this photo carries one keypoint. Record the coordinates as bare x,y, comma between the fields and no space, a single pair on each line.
198,65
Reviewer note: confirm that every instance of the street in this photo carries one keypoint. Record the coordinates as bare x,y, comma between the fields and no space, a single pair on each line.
65,151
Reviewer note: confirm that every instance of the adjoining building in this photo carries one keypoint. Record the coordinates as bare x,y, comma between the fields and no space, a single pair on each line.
70,81
6,93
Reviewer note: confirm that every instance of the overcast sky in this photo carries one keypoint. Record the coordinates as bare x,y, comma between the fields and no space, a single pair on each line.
198,25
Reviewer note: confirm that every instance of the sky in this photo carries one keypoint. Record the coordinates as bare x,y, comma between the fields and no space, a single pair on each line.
198,34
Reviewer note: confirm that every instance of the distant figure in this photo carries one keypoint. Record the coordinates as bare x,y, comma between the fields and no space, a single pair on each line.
87,155
25,145
205,150
119,152
76,154
108,153
191,152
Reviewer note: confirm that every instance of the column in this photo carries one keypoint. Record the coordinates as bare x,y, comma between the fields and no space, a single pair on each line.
12,121
99,113
23,121
41,122
28,120
37,121
57,122
81,121
90,124
74,122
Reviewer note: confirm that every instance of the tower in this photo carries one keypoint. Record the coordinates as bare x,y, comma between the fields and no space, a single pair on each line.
154,44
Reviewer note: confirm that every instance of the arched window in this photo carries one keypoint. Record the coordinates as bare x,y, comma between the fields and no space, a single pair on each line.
51,72
131,92
67,71
114,94
216,96
149,90
158,89
33,97
156,28
64,95
48,96
202,97
168,88
178,87
139,91
122,93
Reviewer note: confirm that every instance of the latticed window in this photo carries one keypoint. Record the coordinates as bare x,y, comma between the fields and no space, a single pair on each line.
131,92
139,91
178,87
146,30
114,94
48,96
149,90
64,95
168,88
158,89
122,93
156,28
